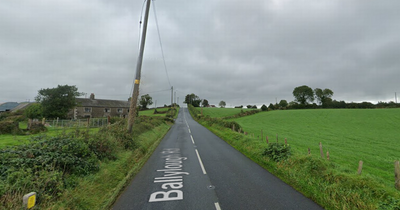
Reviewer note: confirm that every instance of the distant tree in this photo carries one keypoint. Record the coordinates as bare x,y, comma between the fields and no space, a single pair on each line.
57,102
145,100
254,107
34,111
302,94
271,106
249,106
205,103
222,104
192,99
283,103
324,97
264,108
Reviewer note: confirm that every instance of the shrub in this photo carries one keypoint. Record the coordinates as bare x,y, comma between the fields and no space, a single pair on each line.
37,128
277,151
9,127
61,153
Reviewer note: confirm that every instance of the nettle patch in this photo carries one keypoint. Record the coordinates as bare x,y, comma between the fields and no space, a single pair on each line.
277,151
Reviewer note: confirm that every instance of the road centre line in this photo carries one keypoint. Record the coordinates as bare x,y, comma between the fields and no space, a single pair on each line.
217,207
189,130
192,138
201,163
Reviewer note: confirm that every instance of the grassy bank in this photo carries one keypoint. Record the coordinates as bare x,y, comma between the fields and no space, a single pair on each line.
105,186
221,112
80,169
331,184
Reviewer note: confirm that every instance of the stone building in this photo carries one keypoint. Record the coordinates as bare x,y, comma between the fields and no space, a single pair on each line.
97,108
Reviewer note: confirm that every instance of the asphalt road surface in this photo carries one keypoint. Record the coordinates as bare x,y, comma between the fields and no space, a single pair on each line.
194,169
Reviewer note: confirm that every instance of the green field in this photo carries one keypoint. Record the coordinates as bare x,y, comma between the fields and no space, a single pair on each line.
12,140
221,112
370,135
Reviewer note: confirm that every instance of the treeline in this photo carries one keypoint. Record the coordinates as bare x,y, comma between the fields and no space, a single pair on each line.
343,105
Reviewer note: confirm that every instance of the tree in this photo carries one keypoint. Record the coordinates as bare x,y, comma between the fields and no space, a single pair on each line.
283,103
145,100
302,94
271,106
192,99
264,108
57,102
34,111
249,106
324,97
222,104
204,103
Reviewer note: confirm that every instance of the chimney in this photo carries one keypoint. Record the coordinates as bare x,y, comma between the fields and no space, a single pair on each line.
92,96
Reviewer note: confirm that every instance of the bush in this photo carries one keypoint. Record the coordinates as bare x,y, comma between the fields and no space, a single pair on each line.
37,128
61,153
9,127
277,151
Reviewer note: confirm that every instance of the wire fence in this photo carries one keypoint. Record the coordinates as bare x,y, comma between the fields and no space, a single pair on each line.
89,122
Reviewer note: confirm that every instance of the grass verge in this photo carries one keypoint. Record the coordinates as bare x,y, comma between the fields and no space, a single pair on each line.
106,185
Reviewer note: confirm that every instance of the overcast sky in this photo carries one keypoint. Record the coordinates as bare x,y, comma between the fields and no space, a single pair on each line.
242,52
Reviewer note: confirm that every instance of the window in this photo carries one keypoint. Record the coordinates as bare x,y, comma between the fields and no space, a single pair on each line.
120,110
88,109
107,110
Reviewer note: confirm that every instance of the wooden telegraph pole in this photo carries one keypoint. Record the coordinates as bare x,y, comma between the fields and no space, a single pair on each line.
135,94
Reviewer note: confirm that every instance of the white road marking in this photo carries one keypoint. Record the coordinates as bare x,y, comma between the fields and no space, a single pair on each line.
189,130
192,138
201,163
217,207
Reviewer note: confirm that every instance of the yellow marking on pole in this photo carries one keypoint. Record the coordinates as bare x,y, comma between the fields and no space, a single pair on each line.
137,81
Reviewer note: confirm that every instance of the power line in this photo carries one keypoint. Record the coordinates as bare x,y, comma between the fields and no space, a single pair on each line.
159,38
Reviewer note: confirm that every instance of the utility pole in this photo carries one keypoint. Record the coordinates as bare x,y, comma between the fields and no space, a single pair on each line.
135,94
172,95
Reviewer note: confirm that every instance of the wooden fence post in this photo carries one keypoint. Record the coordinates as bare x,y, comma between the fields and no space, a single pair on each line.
360,166
245,133
240,130
397,175
321,150
285,141
267,139
88,122
233,127
327,155
309,151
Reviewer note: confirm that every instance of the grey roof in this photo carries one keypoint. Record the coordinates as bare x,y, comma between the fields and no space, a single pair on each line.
22,106
86,102
8,106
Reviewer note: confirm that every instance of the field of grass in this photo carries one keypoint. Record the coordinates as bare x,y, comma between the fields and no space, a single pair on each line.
221,112
12,140
370,135
150,112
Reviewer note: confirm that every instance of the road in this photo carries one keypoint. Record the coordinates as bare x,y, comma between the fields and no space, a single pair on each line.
194,169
